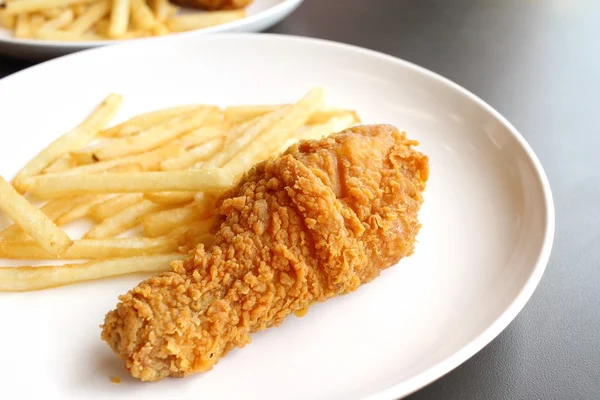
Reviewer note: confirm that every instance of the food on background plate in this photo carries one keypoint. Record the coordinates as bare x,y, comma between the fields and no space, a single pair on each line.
89,20
313,223
213,4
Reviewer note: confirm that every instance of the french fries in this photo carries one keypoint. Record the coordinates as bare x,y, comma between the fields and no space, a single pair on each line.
203,134
18,279
124,220
65,36
33,221
8,21
163,9
61,164
82,209
163,222
28,6
92,248
172,198
149,161
141,15
113,206
144,121
89,18
23,29
241,135
206,179
73,140
192,156
52,209
277,134
151,138
154,178
119,18
59,21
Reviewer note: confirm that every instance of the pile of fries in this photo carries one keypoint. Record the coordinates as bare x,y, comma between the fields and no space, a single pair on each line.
88,20
161,171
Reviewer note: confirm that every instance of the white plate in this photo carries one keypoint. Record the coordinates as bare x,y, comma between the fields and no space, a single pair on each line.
262,14
488,224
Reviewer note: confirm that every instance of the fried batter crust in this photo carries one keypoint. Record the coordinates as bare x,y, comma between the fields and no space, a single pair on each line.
213,5
316,222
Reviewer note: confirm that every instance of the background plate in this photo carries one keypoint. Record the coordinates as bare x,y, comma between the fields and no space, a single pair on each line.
262,14
488,224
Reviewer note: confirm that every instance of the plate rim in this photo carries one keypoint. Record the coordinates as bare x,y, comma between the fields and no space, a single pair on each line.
424,378
283,7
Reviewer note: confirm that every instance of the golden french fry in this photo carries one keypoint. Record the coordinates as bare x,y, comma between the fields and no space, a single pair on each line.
134,35
192,156
126,168
115,205
149,161
75,139
277,134
144,121
8,21
61,164
36,20
92,248
28,6
203,134
190,22
160,29
49,34
123,221
53,210
205,179
82,209
170,198
241,135
119,18
52,13
32,220
239,114
20,279
152,137
62,211
162,222
141,15
163,9
22,26
79,8
207,201
101,28
89,18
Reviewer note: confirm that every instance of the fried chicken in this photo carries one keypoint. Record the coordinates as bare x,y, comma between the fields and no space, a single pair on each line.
316,222
213,5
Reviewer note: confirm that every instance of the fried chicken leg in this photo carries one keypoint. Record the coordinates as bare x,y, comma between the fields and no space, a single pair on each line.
213,5
316,222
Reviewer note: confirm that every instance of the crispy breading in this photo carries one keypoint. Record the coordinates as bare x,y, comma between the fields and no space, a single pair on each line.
213,5
316,222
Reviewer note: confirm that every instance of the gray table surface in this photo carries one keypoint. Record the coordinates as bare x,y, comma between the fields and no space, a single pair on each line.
538,63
